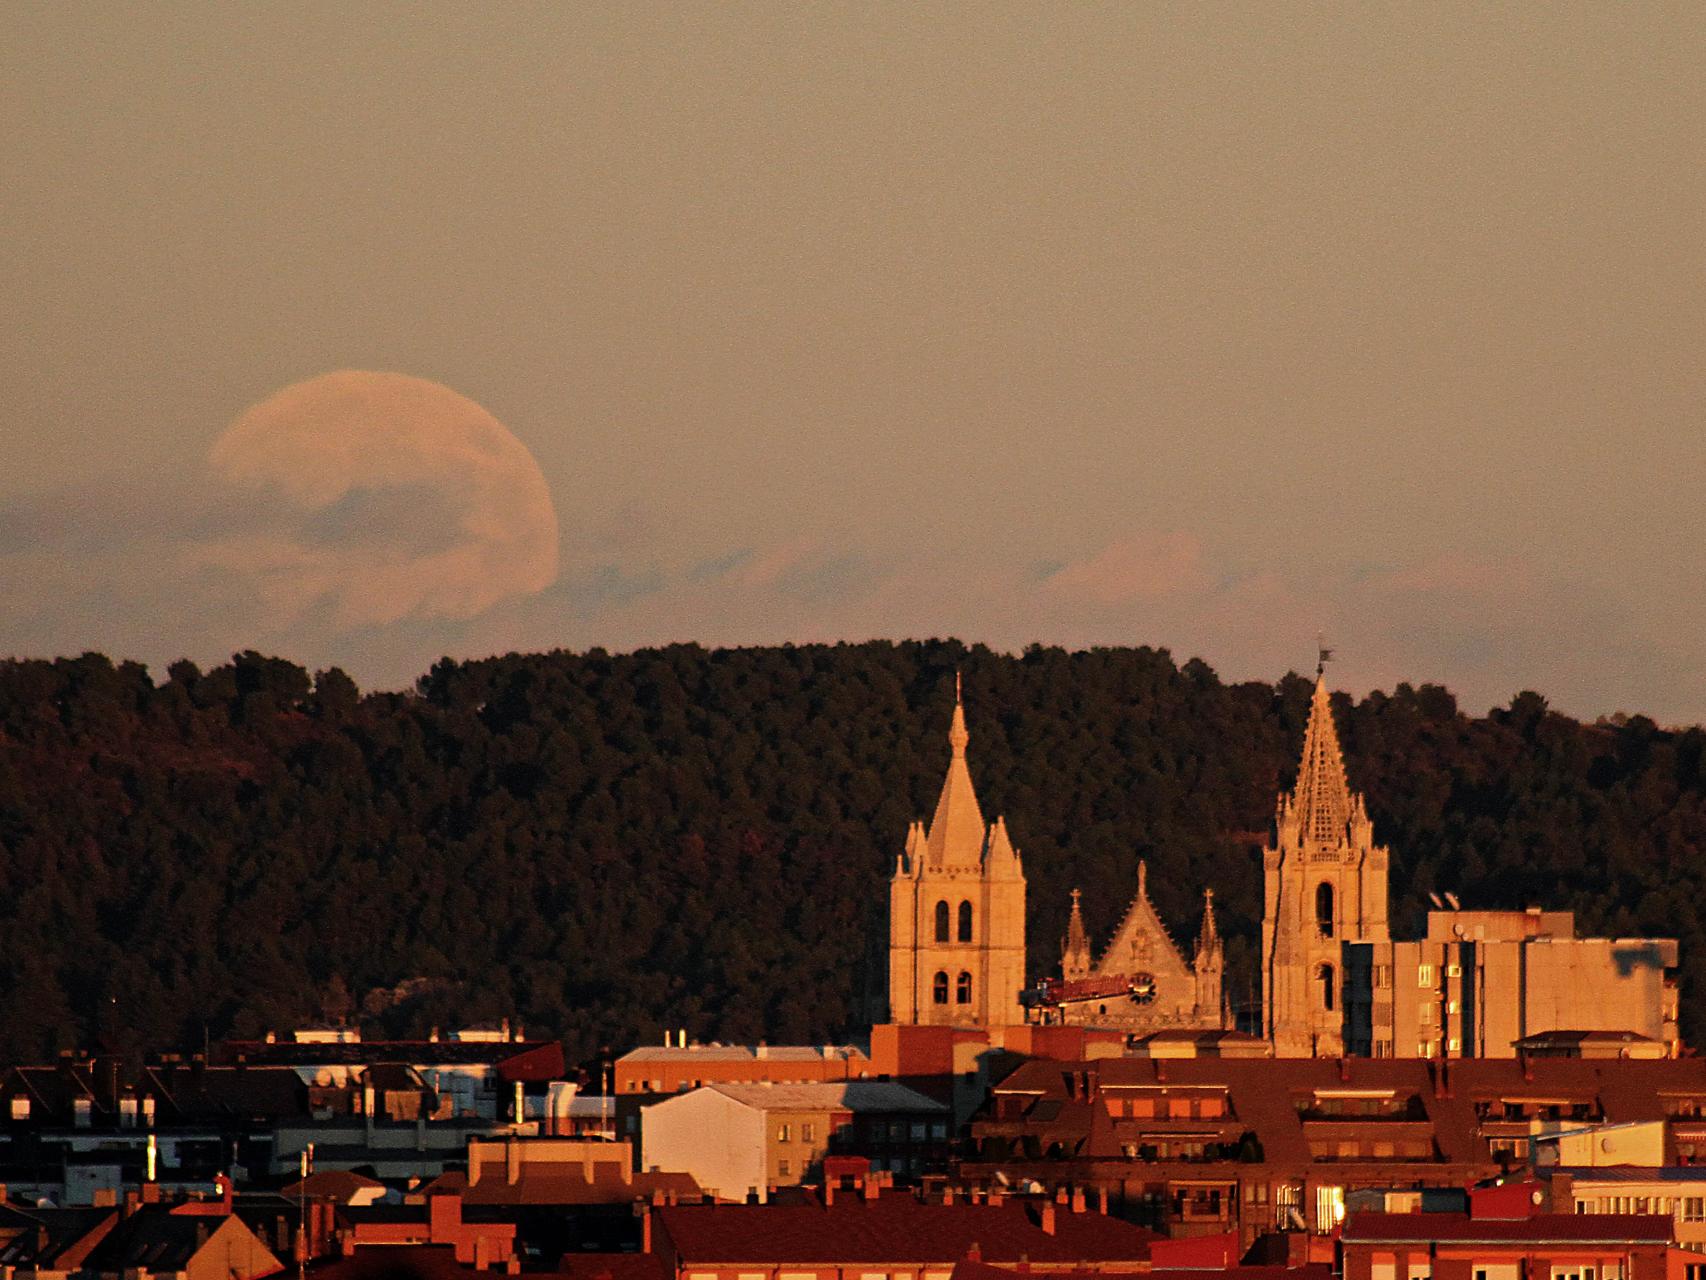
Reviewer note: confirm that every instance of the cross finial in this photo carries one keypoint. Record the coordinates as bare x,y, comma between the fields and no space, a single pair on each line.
956,686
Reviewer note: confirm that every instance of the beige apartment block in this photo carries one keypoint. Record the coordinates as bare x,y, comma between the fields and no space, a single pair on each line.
1324,884
744,1140
1491,984
957,911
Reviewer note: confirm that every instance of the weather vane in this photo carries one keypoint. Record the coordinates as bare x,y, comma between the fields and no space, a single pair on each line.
1324,655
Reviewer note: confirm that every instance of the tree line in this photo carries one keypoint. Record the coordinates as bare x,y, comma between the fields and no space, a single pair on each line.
605,845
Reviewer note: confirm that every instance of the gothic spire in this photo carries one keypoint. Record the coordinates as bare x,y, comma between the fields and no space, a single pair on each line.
1209,939
957,829
1075,946
1322,798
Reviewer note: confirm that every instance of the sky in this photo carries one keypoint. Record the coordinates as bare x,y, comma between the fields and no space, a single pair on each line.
366,334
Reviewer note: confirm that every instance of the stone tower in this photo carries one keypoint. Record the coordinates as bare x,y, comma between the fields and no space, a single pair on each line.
1324,884
957,911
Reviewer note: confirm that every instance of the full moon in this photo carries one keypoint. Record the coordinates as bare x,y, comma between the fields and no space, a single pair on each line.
394,497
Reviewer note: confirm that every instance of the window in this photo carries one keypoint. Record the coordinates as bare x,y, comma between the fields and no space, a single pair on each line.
1453,1045
783,1170
1451,1006
965,922
1454,971
941,922
808,1132
1324,977
1424,975
1694,1209
1382,976
20,1107
939,988
1383,1048
1324,909
82,1112
784,1132
1424,1048
962,988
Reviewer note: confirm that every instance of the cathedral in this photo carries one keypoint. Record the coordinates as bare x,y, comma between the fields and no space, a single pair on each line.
1142,982
957,910
1324,885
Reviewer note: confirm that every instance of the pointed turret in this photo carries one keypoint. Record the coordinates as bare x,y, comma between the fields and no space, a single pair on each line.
1001,862
1208,940
957,830
1320,803
1075,946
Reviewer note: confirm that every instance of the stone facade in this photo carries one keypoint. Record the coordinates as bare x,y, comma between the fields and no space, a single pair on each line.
1162,990
1324,884
957,911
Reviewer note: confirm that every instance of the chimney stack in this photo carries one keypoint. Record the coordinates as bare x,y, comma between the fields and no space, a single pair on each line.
1045,1219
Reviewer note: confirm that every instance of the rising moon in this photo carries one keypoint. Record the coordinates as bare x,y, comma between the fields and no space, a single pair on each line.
394,497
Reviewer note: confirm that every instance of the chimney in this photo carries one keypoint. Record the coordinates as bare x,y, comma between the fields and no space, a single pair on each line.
1078,1200
947,1195
870,1186
1045,1218
520,1103
222,1184
975,1252
512,1161
1102,1201
1060,1194
828,1192
645,1229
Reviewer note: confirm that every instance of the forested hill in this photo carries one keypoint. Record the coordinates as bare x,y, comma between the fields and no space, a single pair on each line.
608,845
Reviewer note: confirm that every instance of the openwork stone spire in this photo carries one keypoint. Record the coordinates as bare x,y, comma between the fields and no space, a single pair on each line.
1321,801
1075,946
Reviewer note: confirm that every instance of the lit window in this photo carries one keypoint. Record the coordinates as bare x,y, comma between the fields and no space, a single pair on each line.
783,1133
807,1132
1424,975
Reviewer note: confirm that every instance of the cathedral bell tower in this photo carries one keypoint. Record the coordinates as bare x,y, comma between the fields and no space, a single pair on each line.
1324,884
957,911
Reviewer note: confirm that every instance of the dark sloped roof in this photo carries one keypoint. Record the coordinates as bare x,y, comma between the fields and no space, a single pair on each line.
893,1227
396,1262
1577,1228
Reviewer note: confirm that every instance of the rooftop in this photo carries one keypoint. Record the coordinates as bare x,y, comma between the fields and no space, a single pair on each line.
850,1095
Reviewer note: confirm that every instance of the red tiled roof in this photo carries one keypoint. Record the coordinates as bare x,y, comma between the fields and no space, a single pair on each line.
1576,1228
396,1262
613,1266
897,1227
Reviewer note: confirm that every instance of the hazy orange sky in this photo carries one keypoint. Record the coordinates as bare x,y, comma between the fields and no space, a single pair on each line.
1201,326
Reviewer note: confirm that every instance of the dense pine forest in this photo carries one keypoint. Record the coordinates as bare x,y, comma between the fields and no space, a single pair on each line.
605,845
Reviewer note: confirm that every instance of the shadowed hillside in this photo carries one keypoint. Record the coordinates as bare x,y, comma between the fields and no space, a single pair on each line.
608,845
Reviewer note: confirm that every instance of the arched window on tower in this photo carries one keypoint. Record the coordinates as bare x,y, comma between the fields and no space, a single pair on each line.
941,922
1324,977
965,922
962,989
1324,910
939,988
